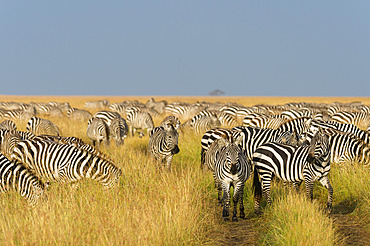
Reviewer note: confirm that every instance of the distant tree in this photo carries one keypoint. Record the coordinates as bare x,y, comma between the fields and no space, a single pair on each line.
216,93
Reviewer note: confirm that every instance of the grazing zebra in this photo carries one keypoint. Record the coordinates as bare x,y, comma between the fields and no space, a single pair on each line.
18,114
118,127
40,126
264,121
231,168
15,175
79,114
97,104
347,128
9,139
292,164
98,131
8,125
118,130
173,120
139,120
201,123
359,119
345,147
163,144
64,163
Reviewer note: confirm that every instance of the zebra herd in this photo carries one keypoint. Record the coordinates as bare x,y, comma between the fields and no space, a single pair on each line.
293,142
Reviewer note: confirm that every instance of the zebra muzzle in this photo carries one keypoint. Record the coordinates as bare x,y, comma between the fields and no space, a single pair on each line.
175,150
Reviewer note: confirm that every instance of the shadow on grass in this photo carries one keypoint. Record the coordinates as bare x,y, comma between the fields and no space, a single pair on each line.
345,207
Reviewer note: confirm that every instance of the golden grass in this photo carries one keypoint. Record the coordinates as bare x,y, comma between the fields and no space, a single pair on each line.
155,207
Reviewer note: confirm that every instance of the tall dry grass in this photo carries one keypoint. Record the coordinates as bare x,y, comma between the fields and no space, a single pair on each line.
154,207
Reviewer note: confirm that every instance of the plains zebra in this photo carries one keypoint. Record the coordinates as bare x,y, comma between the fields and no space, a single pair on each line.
15,175
231,168
79,114
40,126
18,114
297,125
118,130
345,147
264,121
163,144
226,120
98,131
64,163
139,120
101,104
201,123
8,125
347,128
359,119
292,164
118,127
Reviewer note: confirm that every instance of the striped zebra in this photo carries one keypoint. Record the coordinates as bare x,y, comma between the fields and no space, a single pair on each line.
292,164
61,163
231,168
201,123
226,120
79,114
163,144
39,126
139,120
8,125
118,127
98,131
101,104
182,111
18,114
345,147
347,128
359,119
118,130
173,120
16,176
264,121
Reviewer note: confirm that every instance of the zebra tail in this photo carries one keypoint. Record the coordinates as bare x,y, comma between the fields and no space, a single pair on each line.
256,186
202,158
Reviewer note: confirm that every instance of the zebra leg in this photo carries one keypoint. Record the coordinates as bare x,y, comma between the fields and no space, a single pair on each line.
169,162
257,190
266,188
309,187
326,183
238,197
226,200
219,190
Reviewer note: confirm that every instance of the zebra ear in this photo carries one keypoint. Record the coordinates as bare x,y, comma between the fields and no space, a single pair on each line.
238,140
222,142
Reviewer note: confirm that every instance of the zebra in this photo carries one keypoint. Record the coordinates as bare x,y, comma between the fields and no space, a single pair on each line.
79,114
101,104
163,144
200,123
264,121
118,130
98,131
226,120
118,127
15,175
9,139
18,114
359,119
173,120
347,128
292,164
8,125
139,120
231,168
345,147
40,126
61,163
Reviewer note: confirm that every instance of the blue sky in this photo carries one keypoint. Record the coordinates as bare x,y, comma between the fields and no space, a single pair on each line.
247,48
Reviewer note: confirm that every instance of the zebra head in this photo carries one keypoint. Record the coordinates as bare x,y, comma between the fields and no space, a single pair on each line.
319,152
171,138
232,153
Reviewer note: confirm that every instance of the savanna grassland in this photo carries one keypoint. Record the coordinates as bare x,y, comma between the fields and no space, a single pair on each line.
156,207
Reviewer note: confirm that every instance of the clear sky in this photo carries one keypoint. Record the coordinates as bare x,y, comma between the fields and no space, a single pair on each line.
245,47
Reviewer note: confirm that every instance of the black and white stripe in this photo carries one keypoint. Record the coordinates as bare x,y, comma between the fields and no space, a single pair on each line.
39,126
98,131
139,120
